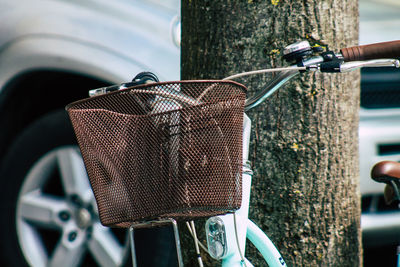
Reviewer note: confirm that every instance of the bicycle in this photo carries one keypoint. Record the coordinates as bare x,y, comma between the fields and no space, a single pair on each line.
170,122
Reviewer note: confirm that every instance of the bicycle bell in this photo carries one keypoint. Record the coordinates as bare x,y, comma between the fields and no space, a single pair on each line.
297,51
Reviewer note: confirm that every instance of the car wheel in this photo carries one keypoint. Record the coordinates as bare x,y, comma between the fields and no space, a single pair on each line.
49,215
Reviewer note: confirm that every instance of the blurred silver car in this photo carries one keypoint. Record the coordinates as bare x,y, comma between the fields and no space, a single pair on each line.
379,130
51,53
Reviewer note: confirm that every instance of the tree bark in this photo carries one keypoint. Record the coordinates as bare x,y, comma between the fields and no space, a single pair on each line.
304,147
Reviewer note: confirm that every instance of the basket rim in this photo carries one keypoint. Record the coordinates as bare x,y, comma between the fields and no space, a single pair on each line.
103,110
241,86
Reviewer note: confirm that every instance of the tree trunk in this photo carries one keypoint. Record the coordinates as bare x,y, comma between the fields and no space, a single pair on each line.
304,145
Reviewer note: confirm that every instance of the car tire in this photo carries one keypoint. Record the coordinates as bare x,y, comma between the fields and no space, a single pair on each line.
35,147
26,233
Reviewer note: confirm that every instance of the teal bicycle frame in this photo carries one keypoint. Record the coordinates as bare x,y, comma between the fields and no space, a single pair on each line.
236,232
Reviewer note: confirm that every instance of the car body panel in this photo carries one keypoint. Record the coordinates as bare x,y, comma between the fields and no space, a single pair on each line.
379,21
92,37
107,41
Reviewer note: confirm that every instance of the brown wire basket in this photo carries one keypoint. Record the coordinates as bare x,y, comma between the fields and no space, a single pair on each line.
163,150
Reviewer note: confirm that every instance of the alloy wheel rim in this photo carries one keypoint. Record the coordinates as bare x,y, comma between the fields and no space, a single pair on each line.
68,214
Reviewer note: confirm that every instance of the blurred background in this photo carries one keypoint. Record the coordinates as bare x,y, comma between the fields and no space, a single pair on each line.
52,51
379,133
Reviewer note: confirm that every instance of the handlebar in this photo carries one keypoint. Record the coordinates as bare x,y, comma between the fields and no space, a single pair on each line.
302,53
372,51
329,62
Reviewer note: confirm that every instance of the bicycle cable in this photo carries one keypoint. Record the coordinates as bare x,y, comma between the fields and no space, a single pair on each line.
196,244
202,246
254,72
237,240
262,71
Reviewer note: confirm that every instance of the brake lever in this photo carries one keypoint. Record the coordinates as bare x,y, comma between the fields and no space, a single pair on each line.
353,65
341,66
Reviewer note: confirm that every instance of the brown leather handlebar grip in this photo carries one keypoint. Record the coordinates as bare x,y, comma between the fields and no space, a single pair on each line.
372,51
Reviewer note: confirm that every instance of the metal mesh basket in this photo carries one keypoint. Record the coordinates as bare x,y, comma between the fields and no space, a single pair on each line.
149,155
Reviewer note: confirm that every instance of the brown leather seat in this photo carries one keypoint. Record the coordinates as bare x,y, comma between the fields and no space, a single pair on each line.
386,171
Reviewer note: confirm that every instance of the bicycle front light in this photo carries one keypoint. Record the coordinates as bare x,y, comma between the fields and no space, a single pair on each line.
216,238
